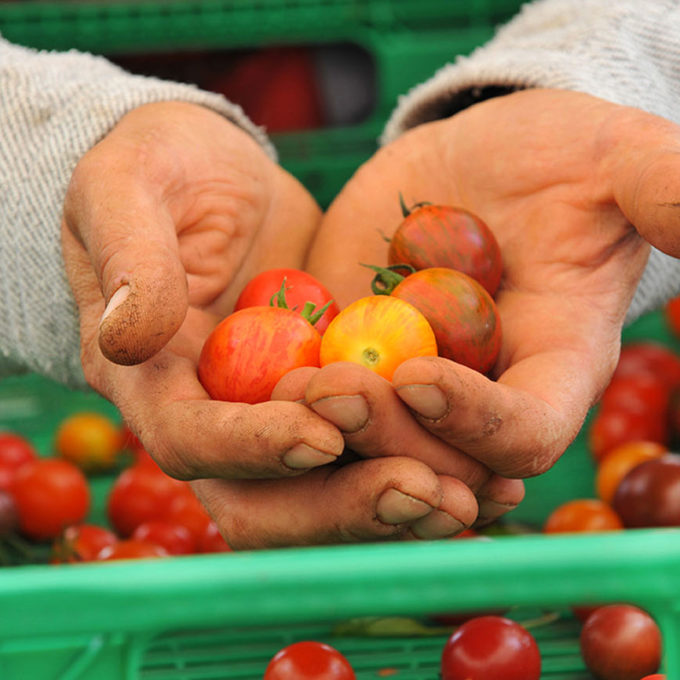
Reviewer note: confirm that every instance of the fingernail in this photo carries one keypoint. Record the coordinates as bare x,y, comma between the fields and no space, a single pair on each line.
302,456
116,300
395,507
489,509
438,524
427,400
348,413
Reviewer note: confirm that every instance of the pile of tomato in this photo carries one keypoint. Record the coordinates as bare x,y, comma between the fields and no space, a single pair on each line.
46,501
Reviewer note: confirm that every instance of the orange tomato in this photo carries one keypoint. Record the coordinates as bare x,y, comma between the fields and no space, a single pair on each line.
582,515
619,461
378,332
90,440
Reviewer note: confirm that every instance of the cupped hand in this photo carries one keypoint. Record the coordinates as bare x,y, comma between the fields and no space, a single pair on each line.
164,222
574,189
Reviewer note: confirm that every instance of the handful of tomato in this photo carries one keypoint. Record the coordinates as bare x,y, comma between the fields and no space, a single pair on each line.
444,306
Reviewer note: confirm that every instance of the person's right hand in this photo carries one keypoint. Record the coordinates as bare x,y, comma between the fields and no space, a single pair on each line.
164,222
575,189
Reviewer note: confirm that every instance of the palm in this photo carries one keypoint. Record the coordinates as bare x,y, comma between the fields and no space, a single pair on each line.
535,166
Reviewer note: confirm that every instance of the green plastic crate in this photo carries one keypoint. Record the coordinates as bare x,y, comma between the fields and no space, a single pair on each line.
407,40
224,616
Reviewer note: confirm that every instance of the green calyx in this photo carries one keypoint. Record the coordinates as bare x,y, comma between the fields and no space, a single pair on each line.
405,210
388,278
309,310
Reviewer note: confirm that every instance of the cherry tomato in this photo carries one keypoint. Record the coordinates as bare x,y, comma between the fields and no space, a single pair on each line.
15,451
81,543
611,428
619,461
656,676
620,642
252,349
491,648
50,494
649,356
462,314
140,494
186,510
582,515
300,288
175,538
638,392
131,549
90,440
309,660
378,332
448,236
649,494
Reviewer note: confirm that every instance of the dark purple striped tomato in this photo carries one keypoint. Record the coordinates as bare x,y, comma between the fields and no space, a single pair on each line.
447,236
462,314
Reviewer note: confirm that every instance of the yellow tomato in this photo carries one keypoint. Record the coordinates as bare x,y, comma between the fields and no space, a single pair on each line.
378,332
90,440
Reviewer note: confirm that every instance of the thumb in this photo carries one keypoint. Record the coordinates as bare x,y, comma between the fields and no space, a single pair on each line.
130,243
646,179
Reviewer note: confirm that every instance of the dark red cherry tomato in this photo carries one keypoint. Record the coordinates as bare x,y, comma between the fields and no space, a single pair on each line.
309,660
491,648
620,642
463,315
447,236
300,288
649,494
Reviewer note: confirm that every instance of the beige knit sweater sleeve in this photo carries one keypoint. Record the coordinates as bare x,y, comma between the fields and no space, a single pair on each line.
53,108
625,51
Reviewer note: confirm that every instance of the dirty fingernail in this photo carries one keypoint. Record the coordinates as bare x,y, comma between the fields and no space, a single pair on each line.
302,456
348,413
427,400
395,507
117,299
438,524
489,509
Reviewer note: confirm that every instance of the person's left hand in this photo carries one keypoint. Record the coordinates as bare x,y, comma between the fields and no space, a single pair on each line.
560,178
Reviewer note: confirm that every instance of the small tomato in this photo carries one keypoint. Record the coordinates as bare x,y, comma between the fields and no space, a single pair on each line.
447,236
90,440
620,642
300,287
378,332
50,494
462,314
252,349
582,515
